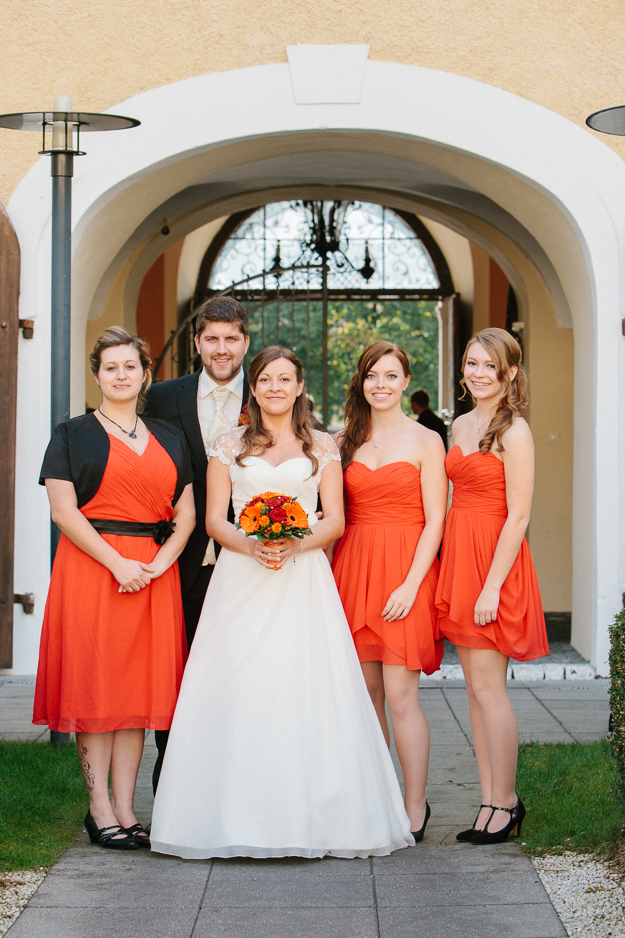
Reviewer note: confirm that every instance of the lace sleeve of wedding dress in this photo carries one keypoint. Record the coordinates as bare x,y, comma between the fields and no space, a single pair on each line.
227,446
325,449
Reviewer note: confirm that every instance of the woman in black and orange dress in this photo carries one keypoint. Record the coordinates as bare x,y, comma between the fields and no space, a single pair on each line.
385,564
113,646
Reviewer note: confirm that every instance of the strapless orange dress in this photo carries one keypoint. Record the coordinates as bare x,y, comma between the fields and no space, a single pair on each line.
384,515
110,660
477,515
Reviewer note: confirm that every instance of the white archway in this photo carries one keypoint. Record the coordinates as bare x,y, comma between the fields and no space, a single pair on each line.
456,145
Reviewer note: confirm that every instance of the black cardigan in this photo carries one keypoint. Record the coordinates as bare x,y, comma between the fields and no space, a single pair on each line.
79,450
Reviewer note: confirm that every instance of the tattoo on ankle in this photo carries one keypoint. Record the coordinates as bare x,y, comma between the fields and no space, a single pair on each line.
88,775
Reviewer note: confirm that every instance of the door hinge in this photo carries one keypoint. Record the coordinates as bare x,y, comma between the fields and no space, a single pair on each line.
26,601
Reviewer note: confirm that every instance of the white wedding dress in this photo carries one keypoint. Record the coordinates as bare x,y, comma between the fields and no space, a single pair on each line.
275,748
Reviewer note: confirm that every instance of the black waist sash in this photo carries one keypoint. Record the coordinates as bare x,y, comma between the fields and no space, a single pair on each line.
159,530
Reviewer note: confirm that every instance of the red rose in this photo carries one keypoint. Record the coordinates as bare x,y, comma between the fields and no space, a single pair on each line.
273,503
278,514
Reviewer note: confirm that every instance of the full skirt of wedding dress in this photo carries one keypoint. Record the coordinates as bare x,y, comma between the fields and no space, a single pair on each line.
275,748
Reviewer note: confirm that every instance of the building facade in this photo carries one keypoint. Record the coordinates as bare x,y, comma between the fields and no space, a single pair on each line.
470,119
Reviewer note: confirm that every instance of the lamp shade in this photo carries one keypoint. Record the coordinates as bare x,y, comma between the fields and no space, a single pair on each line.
609,121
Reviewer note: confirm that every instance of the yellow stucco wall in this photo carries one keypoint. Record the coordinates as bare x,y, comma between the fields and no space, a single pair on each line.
565,56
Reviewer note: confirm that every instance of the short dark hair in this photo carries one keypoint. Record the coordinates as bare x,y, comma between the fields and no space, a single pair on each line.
421,398
222,309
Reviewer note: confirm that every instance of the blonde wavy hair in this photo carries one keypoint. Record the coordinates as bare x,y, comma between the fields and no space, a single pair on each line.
505,353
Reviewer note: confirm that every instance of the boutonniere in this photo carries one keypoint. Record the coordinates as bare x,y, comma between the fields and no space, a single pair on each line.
243,417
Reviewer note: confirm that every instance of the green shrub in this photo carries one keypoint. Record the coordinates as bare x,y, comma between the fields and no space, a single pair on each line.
617,700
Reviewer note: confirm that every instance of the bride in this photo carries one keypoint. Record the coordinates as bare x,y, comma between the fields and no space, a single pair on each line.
275,748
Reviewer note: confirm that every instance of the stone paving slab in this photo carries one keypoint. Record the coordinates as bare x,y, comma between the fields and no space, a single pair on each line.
235,888
287,923
480,921
458,858
109,923
458,889
89,877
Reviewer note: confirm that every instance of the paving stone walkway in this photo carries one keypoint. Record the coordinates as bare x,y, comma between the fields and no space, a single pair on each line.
436,889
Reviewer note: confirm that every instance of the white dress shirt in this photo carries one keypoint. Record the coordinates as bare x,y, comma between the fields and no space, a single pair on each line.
206,401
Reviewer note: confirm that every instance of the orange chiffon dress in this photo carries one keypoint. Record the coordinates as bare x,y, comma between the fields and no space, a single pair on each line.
384,521
110,660
477,515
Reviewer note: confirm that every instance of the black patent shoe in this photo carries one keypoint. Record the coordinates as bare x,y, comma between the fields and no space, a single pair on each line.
465,836
418,835
138,834
517,814
104,835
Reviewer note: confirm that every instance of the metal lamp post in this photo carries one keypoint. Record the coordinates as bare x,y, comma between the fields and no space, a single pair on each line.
60,130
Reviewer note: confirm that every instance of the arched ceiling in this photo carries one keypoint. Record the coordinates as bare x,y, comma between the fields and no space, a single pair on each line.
380,177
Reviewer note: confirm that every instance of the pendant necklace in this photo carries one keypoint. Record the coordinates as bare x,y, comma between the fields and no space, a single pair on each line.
388,433
132,434
480,426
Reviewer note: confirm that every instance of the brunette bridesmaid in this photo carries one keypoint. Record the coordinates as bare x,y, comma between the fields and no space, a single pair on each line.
385,564
488,598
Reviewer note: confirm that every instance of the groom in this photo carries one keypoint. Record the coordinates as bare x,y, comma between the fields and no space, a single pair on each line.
204,405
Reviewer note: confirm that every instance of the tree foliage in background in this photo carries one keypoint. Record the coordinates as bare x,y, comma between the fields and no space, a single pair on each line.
352,325
617,699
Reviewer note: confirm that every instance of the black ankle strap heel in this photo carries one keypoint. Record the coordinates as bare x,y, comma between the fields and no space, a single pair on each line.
517,815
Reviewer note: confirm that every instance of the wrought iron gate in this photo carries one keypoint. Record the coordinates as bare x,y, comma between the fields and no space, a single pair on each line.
289,306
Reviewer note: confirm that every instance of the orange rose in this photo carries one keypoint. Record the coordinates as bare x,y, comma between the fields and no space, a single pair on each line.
276,528
264,521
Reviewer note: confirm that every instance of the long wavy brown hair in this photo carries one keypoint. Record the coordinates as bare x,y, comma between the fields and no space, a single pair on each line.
357,411
256,437
505,353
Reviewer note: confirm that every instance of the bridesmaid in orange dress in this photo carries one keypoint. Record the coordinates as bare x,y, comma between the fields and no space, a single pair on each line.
385,564
488,598
112,645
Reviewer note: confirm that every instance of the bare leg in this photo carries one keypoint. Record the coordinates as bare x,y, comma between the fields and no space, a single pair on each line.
374,679
488,668
479,742
412,736
125,759
94,752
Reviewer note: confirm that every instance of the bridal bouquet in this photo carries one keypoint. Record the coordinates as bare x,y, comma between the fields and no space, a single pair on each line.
271,516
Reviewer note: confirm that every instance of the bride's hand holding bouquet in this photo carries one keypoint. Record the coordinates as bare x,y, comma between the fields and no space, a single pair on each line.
279,523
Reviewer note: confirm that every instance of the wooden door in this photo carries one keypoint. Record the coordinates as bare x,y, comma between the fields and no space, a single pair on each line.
9,329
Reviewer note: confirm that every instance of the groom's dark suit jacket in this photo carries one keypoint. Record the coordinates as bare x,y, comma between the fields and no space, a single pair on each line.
176,402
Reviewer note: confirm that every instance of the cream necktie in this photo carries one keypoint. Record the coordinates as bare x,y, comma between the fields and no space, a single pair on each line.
220,425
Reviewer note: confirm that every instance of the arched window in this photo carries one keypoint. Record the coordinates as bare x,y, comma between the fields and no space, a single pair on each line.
367,245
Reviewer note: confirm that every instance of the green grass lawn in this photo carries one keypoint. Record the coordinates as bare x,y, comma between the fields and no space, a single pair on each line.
567,789
42,803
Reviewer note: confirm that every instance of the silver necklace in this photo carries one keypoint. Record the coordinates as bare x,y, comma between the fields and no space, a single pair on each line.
479,426
133,432
390,433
